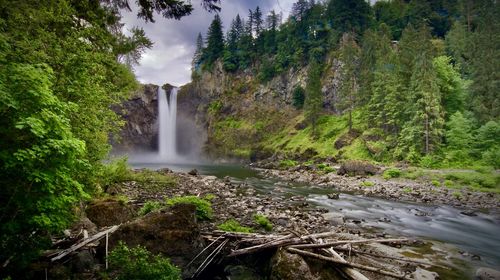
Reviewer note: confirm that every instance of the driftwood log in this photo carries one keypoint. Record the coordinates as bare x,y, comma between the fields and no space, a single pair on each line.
322,245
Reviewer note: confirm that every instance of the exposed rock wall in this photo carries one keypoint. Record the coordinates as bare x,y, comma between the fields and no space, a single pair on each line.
140,115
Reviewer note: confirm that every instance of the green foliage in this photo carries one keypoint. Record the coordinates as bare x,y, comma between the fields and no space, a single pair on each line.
150,206
436,183
392,173
326,168
314,101
367,184
114,172
407,190
215,42
138,264
267,71
203,207
298,97
263,221
288,163
232,225
214,107
349,15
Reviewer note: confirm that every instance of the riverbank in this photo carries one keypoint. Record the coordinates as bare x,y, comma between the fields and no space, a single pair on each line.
398,189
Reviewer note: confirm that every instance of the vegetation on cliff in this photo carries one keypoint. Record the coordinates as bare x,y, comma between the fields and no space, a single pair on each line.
416,82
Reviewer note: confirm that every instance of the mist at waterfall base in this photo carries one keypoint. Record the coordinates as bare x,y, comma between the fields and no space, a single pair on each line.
179,141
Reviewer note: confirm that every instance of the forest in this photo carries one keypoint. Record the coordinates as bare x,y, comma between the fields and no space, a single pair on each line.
422,75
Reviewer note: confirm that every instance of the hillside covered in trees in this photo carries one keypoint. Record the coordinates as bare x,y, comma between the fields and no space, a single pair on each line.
413,81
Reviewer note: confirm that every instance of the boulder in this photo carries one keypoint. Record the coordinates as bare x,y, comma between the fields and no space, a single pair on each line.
172,232
485,273
109,212
290,266
357,168
346,139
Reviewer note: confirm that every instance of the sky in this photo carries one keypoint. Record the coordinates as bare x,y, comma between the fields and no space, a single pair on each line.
169,60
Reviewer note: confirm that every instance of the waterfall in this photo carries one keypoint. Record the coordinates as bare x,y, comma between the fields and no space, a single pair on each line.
167,119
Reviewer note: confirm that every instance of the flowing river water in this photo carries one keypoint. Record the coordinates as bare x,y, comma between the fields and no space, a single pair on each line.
475,237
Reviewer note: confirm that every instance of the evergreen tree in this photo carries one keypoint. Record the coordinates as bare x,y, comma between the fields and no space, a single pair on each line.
215,42
349,55
313,103
196,62
299,9
485,62
258,22
231,52
451,85
349,15
423,132
298,97
458,138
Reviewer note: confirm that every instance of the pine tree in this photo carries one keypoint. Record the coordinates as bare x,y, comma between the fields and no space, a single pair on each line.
458,138
231,59
196,62
485,62
215,42
258,22
314,100
349,55
349,15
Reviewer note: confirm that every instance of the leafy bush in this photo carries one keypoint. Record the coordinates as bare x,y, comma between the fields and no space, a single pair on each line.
232,225
139,264
263,221
114,172
325,168
436,183
203,207
149,207
392,173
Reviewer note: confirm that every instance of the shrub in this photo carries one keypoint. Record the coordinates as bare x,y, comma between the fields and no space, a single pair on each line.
436,183
457,195
232,225
138,264
149,207
407,190
448,183
263,221
357,167
203,207
114,172
392,173
325,168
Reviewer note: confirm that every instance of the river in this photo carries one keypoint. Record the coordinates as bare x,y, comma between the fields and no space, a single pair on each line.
475,235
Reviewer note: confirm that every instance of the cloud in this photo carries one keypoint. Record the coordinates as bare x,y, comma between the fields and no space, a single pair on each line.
169,61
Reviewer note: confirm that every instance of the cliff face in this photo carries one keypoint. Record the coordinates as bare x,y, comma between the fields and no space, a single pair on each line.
238,112
140,116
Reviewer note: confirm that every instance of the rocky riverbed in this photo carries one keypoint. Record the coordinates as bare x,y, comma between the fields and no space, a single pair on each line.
394,189
241,200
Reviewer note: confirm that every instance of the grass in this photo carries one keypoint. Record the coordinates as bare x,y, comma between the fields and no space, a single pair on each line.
232,225
288,163
481,179
325,168
203,206
149,207
263,221
367,184
391,173
407,190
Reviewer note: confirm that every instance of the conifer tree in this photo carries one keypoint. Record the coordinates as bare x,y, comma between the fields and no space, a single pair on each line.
349,15
349,55
196,62
258,22
215,42
313,101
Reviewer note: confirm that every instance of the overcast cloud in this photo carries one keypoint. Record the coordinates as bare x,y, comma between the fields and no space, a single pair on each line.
169,61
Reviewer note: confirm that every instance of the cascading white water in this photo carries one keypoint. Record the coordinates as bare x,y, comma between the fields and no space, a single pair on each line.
167,119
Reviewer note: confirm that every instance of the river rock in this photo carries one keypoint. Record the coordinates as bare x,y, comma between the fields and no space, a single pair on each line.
485,273
333,196
193,172
109,212
172,232
290,266
422,274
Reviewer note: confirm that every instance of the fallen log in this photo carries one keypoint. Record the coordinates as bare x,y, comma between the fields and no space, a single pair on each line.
350,272
77,246
281,242
389,257
346,263
341,242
